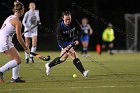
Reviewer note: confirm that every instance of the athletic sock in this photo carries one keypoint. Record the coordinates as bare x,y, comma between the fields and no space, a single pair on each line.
55,62
8,66
15,72
85,50
33,49
78,65
26,56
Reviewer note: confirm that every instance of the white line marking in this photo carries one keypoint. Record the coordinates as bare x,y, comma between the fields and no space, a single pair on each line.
24,89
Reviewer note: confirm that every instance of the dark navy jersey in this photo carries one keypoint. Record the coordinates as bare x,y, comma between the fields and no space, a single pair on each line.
67,33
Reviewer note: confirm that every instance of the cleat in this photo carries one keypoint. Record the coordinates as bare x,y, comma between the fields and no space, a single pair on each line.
48,69
85,73
18,80
1,78
32,59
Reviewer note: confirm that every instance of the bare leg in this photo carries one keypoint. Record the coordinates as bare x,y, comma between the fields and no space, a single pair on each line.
13,64
33,48
27,42
85,47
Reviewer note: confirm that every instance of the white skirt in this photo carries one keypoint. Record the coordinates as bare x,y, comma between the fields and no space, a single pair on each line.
31,33
5,45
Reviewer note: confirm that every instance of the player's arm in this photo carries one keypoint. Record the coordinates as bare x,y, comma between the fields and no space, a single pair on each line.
25,18
38,17
90,30
59,35
17,24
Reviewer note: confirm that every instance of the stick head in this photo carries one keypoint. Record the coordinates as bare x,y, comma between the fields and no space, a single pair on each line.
48,58
45,58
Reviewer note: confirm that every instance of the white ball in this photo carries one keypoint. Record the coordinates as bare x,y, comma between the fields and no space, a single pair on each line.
74,76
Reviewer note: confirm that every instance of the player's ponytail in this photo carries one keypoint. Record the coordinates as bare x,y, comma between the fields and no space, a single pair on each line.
18,6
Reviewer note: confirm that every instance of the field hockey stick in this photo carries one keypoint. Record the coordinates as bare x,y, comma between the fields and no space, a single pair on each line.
39,25
71,45
40,57
49,30
57,59
31,28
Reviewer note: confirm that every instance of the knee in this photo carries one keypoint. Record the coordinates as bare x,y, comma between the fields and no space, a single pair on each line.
63,59
73,55
72,52
28,45
18,59
111,45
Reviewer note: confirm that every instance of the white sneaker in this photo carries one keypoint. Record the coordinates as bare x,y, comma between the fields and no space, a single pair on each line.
48,69
85,73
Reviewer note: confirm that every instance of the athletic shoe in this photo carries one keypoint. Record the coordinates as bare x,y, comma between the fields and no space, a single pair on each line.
48,69
32,59
18,80
27,61
1,78
85,73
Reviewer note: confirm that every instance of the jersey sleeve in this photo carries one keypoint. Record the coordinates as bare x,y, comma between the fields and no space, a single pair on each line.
59,32
25,18
60,38
38,17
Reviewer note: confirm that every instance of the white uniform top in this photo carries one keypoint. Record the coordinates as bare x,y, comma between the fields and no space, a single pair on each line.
6,34
30,20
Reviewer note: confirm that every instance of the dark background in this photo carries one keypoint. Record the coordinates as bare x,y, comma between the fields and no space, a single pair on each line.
102,11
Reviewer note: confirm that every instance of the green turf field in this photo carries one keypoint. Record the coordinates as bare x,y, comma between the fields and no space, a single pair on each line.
119,73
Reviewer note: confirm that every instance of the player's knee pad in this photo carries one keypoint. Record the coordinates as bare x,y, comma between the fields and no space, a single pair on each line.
57,60
76,60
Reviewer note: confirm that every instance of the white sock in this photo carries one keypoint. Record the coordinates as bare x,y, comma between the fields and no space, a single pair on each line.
15,72
11,64
26,55
33,49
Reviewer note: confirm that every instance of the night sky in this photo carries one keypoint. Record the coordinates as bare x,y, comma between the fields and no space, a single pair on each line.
102,11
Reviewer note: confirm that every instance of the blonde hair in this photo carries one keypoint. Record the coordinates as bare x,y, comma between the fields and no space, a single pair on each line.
18,6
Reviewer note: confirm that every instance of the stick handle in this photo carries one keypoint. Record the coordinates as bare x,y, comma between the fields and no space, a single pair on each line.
30,29
72,45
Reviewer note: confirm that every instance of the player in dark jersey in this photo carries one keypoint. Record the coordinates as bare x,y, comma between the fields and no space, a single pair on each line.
67,33
86,31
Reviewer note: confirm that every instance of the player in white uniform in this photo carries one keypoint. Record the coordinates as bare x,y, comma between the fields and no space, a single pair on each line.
11,26
31,19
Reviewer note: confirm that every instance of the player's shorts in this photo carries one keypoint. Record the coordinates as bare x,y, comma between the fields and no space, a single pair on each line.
5,45
31,33
65,44
84,38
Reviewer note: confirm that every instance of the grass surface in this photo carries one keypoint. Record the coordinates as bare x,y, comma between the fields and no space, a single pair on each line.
119,73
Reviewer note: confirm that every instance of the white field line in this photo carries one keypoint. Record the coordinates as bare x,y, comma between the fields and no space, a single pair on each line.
24,89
